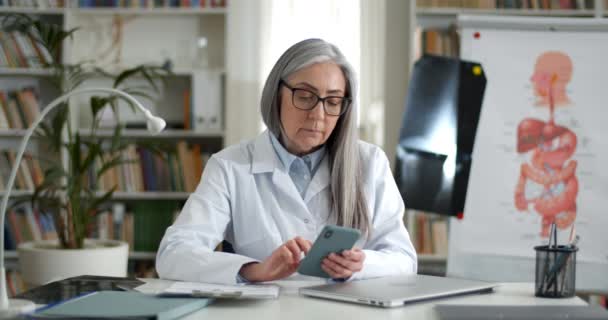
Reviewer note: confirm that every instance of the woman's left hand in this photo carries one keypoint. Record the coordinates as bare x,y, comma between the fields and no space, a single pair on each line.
344,265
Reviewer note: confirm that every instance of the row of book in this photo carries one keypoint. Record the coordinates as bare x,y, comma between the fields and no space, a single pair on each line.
141,224
19,50
29,174
429,233
18,108
24,224
152,3
178,169
436,41
509,4
41,4
14,283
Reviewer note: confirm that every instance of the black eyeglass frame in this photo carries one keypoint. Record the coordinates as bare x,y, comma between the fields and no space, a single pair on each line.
346,101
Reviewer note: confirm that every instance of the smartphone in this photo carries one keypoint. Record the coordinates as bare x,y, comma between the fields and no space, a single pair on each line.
331,239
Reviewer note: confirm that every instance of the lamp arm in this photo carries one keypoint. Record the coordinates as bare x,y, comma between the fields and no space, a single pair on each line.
9,185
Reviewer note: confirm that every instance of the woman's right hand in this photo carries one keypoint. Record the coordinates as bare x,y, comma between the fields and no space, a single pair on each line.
283,262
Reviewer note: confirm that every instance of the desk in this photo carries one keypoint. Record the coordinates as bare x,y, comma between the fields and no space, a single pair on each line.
291,306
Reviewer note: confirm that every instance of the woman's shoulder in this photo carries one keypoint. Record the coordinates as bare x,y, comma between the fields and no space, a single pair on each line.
370,151
235,153
242,152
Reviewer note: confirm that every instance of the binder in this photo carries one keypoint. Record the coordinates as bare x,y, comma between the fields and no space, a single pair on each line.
207,101
121,305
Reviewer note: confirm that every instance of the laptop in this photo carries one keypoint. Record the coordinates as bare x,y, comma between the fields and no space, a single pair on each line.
397,291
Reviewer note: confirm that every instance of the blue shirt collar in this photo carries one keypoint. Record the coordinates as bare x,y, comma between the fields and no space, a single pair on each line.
287,158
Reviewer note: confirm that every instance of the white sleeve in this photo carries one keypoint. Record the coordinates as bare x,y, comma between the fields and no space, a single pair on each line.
389,250
186,251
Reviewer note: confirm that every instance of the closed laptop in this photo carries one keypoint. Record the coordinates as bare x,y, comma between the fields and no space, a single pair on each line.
397,291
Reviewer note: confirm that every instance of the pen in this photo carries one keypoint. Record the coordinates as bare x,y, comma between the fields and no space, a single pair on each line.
559,265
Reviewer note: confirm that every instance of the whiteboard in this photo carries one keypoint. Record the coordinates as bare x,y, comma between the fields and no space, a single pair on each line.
539,151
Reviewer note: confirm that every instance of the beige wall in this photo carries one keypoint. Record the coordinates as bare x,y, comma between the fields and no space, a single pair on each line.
400,24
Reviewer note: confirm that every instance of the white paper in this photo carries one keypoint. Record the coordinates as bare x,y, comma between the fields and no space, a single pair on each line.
492,223
226,291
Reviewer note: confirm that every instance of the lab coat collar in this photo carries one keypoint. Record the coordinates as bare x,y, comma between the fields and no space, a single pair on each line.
320,180
265,159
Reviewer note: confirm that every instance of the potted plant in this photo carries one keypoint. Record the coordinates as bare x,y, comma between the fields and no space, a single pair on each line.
67,191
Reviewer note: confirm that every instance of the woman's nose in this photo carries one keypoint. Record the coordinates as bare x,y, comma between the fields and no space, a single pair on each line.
318,112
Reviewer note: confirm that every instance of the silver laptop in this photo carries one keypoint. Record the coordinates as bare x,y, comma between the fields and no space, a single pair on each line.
397,291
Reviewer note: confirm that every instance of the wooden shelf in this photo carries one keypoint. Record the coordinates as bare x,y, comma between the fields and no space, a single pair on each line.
141,255
150,195
25,72
432,258
133,255
144,134
505,12
121,196
13,133
18,193
32,10
150,11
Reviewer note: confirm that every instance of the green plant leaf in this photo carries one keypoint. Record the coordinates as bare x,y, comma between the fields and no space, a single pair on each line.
126,74
97,201
94,151
116,161
97,104
75,153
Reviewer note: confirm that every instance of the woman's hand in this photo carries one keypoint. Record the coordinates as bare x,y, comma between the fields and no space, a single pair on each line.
282,262
343,266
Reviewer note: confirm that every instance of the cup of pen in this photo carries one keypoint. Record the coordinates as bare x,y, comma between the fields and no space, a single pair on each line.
555,271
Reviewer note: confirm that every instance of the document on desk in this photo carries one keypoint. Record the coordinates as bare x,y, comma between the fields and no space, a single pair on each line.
209,290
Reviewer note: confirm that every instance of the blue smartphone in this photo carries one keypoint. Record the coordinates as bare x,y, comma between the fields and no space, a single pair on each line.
331,239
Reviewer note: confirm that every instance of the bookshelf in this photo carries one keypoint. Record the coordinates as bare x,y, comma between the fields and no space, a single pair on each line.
194,46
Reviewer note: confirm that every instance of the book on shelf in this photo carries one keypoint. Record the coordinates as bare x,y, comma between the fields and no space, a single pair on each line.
18,108
19,50
173,169
150,4
141,224
39,4
14,283
437,41
509,4
429,233
29,174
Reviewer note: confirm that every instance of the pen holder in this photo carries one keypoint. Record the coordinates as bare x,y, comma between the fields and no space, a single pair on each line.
555,271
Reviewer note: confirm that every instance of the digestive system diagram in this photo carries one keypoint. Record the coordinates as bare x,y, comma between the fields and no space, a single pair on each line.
548,183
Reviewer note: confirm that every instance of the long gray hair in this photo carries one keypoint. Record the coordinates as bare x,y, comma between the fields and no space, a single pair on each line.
348,200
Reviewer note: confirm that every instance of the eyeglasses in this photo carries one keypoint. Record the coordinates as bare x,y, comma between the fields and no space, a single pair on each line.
307,100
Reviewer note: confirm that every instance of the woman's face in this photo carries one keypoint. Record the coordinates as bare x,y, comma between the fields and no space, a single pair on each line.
307,130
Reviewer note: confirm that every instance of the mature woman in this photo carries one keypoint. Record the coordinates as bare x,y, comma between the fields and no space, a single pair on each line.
271,196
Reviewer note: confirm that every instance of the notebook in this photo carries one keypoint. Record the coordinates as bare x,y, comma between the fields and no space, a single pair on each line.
397,291
209,290
121,305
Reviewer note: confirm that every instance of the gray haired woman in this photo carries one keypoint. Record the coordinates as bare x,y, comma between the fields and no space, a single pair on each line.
271,196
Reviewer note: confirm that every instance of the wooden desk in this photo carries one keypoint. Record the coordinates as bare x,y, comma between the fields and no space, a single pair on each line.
291,306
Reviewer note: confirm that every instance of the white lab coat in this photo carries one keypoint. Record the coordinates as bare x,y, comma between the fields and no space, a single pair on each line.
247,197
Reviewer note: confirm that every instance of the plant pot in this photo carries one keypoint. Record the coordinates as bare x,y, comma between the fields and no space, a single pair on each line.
42,262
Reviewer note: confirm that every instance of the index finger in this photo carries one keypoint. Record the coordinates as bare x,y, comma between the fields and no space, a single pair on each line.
354,254
304,244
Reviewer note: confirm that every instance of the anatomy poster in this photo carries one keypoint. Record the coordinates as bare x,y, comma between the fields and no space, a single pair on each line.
541,151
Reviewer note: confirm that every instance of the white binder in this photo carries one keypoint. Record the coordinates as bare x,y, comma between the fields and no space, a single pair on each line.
207,101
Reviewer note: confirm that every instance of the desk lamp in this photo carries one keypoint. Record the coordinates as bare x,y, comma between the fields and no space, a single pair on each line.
13,307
